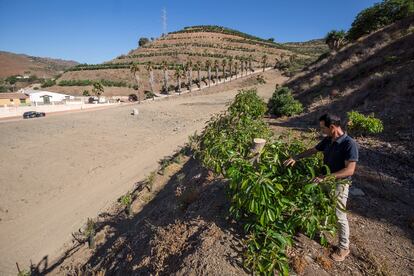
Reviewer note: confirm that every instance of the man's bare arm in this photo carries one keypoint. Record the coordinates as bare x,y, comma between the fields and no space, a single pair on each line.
349,170
291,161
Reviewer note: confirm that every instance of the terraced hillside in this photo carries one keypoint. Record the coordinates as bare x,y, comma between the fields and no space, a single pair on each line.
372,76
200,49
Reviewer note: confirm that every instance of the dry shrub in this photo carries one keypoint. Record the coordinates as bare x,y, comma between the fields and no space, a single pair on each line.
299,264
324,261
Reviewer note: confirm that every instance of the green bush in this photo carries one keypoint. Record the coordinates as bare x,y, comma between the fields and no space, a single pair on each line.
107,83
282,103
271,201
142,41
149,95
260,79
248,103
361,124
48,83
3,89
378,16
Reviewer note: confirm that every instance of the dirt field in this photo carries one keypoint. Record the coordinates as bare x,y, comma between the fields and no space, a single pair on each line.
57,171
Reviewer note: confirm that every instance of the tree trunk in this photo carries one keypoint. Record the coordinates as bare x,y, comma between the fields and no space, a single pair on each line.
199,79
209,76
179,85
151,81
190,79
166,81
137,80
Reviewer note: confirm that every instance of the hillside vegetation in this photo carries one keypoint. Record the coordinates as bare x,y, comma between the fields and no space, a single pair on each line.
208,52
34,68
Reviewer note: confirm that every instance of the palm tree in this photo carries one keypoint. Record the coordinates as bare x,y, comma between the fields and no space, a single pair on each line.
250,59
150,70
189,69
236,67
134,70
164,66
230,66
292,58
264,61
198,66
178,74
242,65
335,39
276,62
224,64
216,67
98,89
208,65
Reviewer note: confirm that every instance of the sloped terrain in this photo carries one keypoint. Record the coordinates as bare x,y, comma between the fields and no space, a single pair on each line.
376,74
198,45
180,224
19,64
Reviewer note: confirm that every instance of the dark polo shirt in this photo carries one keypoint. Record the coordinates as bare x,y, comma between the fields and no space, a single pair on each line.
336,153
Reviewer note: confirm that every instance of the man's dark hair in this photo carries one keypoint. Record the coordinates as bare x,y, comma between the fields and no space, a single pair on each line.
330,119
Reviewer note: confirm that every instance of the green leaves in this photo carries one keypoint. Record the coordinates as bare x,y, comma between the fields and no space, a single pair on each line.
249,104
272,201
360,124
282,103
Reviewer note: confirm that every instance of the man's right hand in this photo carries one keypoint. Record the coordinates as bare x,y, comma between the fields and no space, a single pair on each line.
289,162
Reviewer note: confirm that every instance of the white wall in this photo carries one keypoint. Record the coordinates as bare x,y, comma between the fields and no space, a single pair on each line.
54,97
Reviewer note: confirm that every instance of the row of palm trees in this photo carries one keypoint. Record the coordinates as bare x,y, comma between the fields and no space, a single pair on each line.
186,70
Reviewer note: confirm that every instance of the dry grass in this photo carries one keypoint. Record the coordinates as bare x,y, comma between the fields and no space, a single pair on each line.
324,262
299,264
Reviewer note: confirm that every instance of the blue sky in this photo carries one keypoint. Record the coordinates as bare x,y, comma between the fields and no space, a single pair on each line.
93,31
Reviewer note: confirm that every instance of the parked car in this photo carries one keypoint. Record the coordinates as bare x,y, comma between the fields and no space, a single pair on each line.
33,114
133,97
93,100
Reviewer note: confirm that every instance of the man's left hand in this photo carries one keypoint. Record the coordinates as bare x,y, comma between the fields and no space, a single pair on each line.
318,179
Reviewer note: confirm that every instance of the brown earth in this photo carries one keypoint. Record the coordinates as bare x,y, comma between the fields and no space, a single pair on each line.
57,171
179,48
180,223
19,64
181,226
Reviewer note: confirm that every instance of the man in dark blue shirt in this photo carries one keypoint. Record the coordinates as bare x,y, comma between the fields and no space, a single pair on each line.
340,154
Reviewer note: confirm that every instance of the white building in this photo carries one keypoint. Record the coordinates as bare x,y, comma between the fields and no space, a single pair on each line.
46,97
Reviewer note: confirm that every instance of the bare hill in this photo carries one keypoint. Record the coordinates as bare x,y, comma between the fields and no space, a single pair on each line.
12,64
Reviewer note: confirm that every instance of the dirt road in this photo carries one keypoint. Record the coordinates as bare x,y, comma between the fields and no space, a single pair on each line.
57,171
